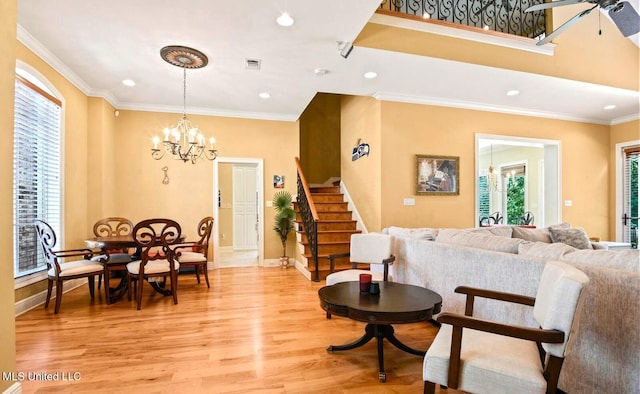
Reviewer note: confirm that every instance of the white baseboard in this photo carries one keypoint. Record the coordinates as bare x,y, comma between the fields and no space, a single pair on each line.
36,300
15,388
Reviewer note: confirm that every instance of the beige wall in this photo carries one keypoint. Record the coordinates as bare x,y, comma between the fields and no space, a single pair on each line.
410,129
581,54
8,13
320,137
189,196
360,120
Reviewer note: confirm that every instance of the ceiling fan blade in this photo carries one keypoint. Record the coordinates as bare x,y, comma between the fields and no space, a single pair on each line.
565,26
626,18
544,6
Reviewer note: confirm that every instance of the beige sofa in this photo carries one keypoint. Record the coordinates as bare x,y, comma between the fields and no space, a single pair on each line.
604,355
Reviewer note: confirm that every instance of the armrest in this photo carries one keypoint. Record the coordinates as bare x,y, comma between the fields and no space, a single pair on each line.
473,292
389,260
85,252
332,257
528,333
459,322
186,245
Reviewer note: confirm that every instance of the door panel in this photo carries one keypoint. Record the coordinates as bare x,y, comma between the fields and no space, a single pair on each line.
244,208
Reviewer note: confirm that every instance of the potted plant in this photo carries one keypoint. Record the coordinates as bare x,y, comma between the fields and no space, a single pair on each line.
285,215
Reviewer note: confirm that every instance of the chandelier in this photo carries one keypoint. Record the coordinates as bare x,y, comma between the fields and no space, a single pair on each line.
184,141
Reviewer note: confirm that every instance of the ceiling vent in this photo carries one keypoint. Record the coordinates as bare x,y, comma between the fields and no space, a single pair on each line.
252,64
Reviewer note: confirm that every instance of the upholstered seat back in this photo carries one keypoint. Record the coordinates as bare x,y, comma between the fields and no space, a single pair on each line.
370,248
557,301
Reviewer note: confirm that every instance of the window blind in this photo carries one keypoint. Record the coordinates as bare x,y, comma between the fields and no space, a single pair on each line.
36,172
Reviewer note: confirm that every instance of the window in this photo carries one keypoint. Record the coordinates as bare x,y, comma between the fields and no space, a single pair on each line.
36,170
630,197
514,180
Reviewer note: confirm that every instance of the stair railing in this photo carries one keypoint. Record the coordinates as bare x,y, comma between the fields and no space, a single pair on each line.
309,217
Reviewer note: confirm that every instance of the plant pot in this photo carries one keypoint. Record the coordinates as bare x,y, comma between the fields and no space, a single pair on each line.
284,262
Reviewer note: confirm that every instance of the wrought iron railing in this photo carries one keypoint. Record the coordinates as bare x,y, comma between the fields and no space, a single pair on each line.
506,16
309,218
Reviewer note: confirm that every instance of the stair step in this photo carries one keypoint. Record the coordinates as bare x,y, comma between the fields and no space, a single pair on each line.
326,197
327,206
326,248
331,236
330,215
324,189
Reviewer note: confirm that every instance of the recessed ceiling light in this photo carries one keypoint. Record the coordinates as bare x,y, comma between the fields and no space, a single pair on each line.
486,27
426,15
285,20
320,71
128,82
370,74
609,107
264,95
513,92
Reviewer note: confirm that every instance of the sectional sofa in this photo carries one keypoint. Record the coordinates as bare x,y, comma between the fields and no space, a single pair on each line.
604,355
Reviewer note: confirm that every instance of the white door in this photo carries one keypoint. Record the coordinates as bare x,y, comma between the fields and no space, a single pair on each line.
245,207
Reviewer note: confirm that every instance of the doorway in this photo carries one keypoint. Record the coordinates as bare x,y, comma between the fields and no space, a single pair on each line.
499,156
238,212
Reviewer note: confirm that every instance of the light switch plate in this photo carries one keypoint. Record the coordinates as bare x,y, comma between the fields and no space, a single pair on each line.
409,201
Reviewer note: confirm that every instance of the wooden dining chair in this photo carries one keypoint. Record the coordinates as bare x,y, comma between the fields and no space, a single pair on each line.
113,259
194,254
155,239
60,269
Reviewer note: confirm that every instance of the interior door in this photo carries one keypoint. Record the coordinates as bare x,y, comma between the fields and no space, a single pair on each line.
245,207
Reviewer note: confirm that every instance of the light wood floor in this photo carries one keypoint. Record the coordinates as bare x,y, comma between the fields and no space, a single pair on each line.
255,330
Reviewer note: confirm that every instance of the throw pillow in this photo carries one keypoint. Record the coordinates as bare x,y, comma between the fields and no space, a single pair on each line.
575,237
532,234
415,233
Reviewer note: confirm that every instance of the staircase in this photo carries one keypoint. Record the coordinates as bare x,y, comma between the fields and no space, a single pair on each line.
335,226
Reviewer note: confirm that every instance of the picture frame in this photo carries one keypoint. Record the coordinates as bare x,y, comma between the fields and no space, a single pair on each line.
278,181
437,175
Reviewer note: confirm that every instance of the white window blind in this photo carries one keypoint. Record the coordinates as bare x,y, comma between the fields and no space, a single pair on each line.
631,192
36,172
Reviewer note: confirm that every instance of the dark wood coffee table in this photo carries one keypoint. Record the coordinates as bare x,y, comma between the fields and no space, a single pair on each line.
397,303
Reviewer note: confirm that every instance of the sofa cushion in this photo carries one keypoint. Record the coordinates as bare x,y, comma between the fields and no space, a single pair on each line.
501,231
416,233
537,234
480,241
626,260
545,250
575,237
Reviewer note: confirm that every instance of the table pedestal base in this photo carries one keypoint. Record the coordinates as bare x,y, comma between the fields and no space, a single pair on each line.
378,331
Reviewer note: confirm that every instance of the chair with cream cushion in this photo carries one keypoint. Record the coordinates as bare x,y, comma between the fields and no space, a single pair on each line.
155,239
370,248
194,254
59,269
480,356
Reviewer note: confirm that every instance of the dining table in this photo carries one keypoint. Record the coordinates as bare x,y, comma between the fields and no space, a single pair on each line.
122,242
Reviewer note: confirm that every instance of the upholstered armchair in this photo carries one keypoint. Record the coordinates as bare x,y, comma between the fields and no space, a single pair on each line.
194,254
481,356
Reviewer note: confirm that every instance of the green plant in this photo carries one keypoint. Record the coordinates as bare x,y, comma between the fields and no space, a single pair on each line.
285,215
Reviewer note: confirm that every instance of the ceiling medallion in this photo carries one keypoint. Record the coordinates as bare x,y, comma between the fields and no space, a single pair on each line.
185,57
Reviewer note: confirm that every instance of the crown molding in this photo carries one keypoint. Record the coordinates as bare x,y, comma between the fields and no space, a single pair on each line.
210,112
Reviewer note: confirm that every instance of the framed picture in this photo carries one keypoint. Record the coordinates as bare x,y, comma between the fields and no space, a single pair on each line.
278,181
437,175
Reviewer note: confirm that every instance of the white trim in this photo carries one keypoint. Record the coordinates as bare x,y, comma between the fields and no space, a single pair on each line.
435,28
619,196
209,112
260,181
38,299
443,102
352,207
15,388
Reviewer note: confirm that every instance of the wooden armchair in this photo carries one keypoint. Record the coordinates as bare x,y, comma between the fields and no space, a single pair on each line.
194,254
59,271
478,356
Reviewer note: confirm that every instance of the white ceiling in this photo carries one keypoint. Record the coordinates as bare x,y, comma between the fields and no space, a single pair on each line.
98,44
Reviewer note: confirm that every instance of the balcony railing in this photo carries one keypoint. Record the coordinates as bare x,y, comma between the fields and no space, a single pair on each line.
506,16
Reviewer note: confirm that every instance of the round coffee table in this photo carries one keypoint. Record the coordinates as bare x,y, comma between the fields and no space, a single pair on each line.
397,303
